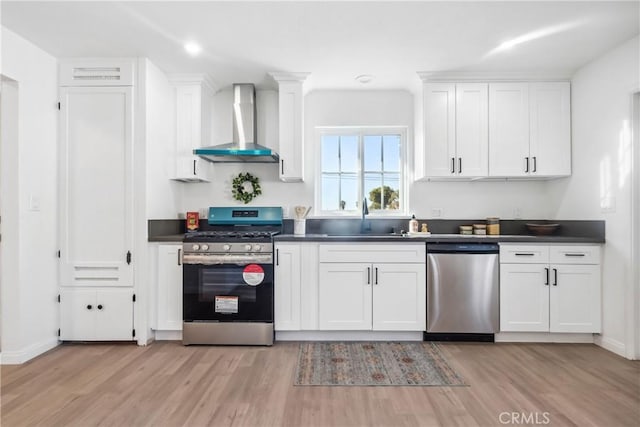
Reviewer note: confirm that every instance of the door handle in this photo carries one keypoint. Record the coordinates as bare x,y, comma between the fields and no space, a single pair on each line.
376,282
194,167
277,256
282,166
459,164
555,277
180,256
453,165
535,164
368,275
527,162
547,275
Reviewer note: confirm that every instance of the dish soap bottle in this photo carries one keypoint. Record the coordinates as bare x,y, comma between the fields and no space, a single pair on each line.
413,224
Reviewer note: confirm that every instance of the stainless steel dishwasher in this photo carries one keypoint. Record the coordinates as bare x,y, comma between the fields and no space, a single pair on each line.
462,288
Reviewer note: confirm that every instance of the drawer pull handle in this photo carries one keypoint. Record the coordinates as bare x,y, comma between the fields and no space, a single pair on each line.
546,269
524,254
555,277
574,254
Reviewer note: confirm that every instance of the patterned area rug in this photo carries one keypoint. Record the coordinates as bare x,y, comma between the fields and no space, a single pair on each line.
411,363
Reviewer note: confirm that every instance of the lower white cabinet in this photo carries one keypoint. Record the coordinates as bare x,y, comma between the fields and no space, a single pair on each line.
96,314
287,288
553,288
169,290
381,296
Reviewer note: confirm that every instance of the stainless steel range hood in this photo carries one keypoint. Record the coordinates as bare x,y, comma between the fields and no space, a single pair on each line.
244,148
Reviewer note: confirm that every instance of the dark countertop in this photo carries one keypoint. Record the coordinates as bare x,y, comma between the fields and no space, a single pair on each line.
177,238
436,238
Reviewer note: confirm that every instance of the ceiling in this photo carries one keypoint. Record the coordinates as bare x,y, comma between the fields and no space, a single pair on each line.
333,40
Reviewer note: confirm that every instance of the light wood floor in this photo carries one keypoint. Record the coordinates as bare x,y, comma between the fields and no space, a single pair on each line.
166,384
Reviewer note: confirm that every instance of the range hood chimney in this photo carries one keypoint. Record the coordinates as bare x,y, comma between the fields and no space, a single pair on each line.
244,148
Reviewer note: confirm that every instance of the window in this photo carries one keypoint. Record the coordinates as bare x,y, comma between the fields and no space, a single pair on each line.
358,163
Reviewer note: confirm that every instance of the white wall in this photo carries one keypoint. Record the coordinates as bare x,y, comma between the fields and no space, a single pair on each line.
33,288
600,186
357,108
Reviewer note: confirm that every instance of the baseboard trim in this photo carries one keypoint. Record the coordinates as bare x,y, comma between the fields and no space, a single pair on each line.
21,356
348,336
543,337
611,345
168,335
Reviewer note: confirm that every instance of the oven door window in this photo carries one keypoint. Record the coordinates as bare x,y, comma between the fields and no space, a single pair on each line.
228,293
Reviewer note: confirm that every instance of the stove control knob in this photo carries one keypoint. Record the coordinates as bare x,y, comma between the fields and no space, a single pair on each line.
247,247
257,248
226,247
205,247
195,247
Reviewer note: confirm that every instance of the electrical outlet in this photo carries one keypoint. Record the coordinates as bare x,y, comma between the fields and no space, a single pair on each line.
436,212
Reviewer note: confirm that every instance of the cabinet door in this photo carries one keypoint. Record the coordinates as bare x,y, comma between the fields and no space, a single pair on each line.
77,314
286,299
439,129
524,298
345,296
193,130
114,315
575,298
550,121
96,143
509,129
291,131
169,288
472,138
399,297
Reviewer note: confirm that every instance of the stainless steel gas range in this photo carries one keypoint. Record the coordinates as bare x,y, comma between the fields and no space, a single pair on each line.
228,278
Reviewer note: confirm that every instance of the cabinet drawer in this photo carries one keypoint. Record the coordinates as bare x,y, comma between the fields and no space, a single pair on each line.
387,253
524,254
575,254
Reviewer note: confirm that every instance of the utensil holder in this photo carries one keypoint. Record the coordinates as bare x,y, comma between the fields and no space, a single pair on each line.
299,227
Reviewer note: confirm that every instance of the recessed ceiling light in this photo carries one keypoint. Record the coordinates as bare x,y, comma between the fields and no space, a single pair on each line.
364,78
192,48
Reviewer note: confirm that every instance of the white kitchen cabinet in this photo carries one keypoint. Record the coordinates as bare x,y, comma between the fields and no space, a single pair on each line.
169,288
529,128
96,314
193,127
384,296
291,125
287,287
455,130
555,289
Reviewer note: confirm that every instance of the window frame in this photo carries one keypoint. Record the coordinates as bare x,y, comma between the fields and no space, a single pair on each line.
360,132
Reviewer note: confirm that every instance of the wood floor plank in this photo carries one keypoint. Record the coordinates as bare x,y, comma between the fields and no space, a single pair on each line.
167,384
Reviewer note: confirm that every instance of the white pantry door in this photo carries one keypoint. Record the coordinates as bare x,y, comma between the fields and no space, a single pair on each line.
96,166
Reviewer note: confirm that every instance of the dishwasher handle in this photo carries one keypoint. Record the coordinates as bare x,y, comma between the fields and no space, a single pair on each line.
463,248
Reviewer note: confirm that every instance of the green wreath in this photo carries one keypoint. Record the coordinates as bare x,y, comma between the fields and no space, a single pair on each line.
240,188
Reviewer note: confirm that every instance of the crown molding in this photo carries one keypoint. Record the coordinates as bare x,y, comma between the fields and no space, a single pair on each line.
194,78
289,76
494,76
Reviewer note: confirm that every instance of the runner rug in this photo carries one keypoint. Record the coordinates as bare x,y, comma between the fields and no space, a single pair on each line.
379,363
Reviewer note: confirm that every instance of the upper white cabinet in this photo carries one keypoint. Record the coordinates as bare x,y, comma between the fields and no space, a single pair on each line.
193,127
455,130
291,125
530,129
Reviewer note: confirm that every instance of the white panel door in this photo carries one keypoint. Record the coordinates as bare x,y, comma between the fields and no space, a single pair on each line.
550,121
472,135
524,297
77,314
399,297
114,315
575,299
509,129
96,141
169,307
345,296
439,129
287,278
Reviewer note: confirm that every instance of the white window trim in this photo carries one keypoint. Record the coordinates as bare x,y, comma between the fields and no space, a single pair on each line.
361,131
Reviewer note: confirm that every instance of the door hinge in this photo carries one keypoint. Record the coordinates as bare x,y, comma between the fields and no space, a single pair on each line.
58,331
128,257
59,253
134,297
133,333
59,106
58,297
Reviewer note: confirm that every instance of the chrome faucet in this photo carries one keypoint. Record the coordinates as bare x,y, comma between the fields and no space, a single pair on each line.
364,225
